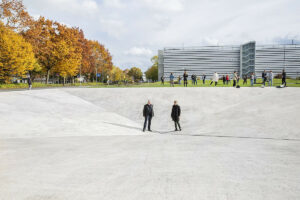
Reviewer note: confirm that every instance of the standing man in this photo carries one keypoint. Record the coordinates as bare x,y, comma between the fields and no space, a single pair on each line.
245,80
284,78
264,77
203,78
179,80
172,80
29,83
196,82
175,115
234,78
227,79
148,113
271,78
224,79
216,78
252,79
162,80
185,78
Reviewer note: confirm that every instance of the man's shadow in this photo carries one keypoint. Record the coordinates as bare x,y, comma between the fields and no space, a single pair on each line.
136,128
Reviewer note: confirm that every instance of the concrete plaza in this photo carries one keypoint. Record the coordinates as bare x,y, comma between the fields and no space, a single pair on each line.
86,143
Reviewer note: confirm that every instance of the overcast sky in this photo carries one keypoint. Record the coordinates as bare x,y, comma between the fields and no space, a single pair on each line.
133,30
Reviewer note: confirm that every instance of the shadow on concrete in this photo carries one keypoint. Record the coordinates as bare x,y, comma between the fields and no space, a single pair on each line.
178,133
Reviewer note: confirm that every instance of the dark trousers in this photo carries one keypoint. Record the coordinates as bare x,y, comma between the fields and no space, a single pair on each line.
177,124
216,83
147,119
204,82
185,83
234,83
284,82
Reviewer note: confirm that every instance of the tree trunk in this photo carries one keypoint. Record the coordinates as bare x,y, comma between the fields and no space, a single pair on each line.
64,81
47,78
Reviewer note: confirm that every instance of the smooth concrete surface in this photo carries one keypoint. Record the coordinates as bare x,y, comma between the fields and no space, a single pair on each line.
81,143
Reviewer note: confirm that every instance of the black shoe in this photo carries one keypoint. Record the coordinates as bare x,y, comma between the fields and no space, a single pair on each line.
143,130
180,129
150,130
176,129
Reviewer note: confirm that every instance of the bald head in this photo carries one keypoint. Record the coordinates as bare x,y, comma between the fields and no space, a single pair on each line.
149,102
175,102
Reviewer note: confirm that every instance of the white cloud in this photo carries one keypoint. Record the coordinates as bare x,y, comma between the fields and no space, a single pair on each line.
139,51
134,30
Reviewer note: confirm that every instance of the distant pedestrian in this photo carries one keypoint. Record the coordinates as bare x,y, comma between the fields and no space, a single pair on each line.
193,79
185,79
238,79
179,80
175,115
255,77
283,78
172,80
227,79
148,113
29,83
252,79
245,80
216,78
271,78
203,78
234,79
162,80
264,77
224,79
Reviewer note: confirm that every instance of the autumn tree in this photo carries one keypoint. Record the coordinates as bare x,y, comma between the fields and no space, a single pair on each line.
117,74
14,15
152,72
136,73
41,35
67,51
16,55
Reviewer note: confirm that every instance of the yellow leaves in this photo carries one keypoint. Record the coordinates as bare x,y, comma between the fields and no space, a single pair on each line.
16,56
117,74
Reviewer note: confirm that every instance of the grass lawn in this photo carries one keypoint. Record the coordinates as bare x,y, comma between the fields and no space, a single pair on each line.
276,82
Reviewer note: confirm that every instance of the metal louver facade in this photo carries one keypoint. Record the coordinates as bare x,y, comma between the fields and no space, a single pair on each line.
244,59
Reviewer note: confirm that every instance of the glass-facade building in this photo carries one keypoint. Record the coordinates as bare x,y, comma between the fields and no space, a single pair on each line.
244,59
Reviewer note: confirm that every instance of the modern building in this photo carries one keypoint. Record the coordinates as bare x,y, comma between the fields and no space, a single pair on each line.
244,59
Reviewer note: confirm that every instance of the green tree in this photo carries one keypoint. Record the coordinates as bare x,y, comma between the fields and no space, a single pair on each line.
135,73
152,72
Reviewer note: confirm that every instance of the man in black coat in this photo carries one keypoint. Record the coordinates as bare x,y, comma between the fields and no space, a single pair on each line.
264,77
284,78
185,79
148,113
176,111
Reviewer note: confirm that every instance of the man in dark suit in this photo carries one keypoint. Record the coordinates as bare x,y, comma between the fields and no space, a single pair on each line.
148,113
176,111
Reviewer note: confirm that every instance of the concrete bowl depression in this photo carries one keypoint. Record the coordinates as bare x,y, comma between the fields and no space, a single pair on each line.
80,143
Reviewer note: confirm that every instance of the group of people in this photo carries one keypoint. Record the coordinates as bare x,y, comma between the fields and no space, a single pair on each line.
266,77
148,114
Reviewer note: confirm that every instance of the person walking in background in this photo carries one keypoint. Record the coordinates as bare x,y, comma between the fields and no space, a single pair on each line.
234,78
255,78
172,80
162,80
29,83
196,82
175,115
185,79
271,78
216,78
193,79
264,77
227,79
283,78
252,79
224,79
245,80
203,78
238,79
148,113
179,80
